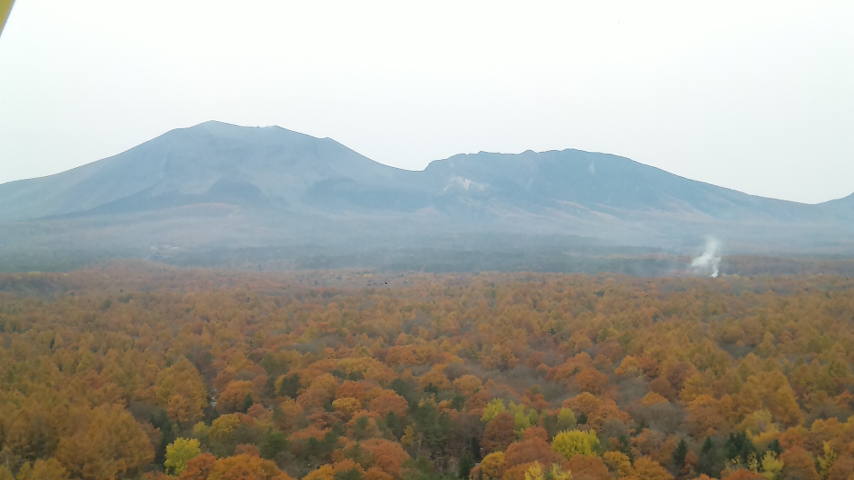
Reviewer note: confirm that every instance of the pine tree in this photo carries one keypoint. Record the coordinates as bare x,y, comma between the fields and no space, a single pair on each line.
775,447
739,446
626,447
679,455
466,464
708,462
167,436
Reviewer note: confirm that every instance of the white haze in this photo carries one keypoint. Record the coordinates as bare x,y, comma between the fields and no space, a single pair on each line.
709,262
755,96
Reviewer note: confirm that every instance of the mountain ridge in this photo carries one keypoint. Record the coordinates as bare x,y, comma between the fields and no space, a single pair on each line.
265,178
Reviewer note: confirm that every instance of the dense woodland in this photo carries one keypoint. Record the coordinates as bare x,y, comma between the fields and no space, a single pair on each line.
132,370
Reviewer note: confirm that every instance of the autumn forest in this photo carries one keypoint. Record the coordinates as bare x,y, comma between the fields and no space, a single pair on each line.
141,370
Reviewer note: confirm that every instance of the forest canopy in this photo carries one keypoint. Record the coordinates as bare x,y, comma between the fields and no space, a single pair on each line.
127,370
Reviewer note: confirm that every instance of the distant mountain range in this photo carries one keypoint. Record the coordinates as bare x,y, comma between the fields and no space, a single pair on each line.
217,185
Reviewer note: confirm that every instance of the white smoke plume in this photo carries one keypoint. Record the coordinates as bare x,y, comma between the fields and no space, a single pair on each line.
709,262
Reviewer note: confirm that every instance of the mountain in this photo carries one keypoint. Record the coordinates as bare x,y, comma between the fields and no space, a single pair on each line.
217,185
843,206
605,183
212,162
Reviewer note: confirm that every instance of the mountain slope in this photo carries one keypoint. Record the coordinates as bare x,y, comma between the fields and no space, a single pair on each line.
222,184
603,182
207,163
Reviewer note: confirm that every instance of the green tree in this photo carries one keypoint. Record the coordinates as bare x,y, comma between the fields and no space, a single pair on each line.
287,385
739,448
275,442
395,424
775,447
247,402
179,452
351,474
466,464
679,455
433,426
625,447
167,435
708,462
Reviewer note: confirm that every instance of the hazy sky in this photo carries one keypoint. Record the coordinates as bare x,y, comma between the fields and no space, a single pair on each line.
756,96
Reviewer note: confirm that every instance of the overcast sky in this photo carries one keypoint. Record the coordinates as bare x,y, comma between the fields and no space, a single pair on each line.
755,96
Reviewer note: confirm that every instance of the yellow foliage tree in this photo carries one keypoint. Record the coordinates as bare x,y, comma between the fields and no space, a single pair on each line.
179,452
492,465
222,427
570,443
347,405
181,391
629,367
535,472
646,468
468,385
771,466
618,463
825,462
110,445
49,469
492,410
323,472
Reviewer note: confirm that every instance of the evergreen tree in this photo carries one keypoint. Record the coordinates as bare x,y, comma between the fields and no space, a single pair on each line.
275,442
351,474
167,436
466,464
288,386
775,447
395,424
679,455
625,447
708,462
739,447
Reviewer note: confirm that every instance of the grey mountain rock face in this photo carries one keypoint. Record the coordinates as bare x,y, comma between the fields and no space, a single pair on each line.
271,183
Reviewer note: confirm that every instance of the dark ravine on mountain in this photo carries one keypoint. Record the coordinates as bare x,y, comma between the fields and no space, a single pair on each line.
219,186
